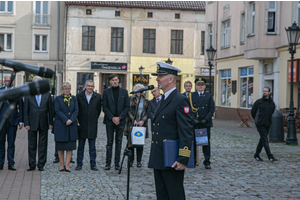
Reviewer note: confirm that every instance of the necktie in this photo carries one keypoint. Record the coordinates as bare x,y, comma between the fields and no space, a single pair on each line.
201,94
38,100
157,100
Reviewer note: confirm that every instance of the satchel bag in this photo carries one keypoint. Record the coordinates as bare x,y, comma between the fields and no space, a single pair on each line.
201,137
138,135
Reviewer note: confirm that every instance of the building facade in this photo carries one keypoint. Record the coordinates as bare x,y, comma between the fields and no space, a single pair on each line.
31,32
119,37
251,45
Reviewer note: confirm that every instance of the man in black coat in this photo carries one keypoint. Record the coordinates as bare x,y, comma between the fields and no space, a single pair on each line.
203,108
115,106
38,118
89,104
173,121
152,106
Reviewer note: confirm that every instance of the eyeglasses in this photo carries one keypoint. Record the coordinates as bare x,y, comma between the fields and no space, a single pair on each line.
67,89
90,86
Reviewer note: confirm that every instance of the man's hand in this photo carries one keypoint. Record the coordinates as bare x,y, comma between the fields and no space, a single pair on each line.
116,120
50,127
20,126
196,122
28,128
203,122
178,166
69,122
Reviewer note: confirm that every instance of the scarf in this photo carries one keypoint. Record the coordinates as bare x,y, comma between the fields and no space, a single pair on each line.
67,99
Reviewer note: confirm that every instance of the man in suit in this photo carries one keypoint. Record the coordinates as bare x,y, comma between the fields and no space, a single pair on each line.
203,108
154,102
172,120
11,129
89,103
188,88
38,118
116,107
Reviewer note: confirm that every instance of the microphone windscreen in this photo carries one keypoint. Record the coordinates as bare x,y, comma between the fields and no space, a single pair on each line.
45,72
32,88
151,87
44,86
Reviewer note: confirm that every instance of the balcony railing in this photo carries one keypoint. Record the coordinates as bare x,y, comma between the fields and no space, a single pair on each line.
42,19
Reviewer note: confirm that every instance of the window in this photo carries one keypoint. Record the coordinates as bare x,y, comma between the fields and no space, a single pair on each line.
176,41
117,35
117,13
226,33
88,38
252,18
149,41
6,6
210,35
81,79
41,43
246,87
41,13
177,15
88,11
226,87
6,41
242,34
202,42
150,14
271,17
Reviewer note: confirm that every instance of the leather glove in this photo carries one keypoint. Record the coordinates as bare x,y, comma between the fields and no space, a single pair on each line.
203,122
196,122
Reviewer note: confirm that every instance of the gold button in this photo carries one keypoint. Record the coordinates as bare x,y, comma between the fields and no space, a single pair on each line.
153,124
163,116
69,113
156,142
206,104
202,116
152,141
156,133
202,107
152,132
157,124
198,107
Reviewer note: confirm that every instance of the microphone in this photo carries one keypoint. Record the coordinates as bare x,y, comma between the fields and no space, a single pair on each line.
150,87
17,66
34,88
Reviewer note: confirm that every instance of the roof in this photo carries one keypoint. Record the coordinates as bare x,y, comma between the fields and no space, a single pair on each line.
174,5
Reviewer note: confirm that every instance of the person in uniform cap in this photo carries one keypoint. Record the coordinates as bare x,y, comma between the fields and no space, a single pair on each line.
203,108
172,121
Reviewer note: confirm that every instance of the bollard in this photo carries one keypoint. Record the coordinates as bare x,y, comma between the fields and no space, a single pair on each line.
276,133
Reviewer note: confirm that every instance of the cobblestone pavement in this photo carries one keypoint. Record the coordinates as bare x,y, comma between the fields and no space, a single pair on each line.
234,174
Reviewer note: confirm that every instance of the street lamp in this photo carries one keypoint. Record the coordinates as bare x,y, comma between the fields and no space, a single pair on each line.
141,69
169,61
293,34
211,56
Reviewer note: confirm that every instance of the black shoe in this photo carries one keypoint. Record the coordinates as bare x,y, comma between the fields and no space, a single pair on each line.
258,158
131,163
107,167
31,169
56,160
11,167
117,167
1,167
207,166
62,170
72,161
94,167
41,169
139,164
78,167
271,158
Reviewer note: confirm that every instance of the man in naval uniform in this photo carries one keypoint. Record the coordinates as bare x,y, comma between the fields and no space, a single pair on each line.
172,120
203,108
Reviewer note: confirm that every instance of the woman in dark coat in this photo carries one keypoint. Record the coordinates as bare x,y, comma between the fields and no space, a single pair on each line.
140,120
65,128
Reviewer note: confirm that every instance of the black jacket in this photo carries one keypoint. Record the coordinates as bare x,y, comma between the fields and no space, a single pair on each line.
262,112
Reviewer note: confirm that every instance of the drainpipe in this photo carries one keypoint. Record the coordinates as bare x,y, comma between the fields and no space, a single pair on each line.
57,55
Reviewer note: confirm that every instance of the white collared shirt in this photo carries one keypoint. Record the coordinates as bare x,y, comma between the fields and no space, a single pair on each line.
88,97
200,93
169,92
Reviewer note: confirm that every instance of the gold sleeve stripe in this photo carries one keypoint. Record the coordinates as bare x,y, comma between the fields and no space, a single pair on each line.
191,102
185,152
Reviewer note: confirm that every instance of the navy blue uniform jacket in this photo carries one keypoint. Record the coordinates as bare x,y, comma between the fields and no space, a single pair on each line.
172,120
62,132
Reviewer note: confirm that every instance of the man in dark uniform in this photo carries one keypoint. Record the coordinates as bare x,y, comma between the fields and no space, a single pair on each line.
172,120
203,108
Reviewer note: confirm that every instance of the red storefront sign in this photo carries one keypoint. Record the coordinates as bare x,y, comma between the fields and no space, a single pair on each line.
295,71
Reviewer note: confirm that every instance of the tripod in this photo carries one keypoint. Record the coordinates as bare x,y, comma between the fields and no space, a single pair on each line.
127,151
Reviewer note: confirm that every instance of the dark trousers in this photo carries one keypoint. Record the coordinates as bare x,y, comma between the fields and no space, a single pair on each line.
169,184
206,149
110,133
11,132
139,152
42,137
92,151
263,141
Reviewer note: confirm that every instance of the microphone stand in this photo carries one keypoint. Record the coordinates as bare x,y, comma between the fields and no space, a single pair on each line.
127,151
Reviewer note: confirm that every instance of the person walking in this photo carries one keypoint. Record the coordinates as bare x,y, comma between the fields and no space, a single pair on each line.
203,108
172,120
262,112
38,118
89,104
140,119
115,106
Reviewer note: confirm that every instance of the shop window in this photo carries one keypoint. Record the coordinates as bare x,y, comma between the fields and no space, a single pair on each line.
246,87
226,87
81,79
88,38
117,38
149,41
176,41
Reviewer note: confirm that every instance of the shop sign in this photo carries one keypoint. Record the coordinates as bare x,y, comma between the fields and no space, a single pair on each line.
109,66
205,71
295,71
137,79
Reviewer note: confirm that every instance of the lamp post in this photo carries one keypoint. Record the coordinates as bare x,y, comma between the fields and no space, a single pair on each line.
293,34
141,70
169,61
211,56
